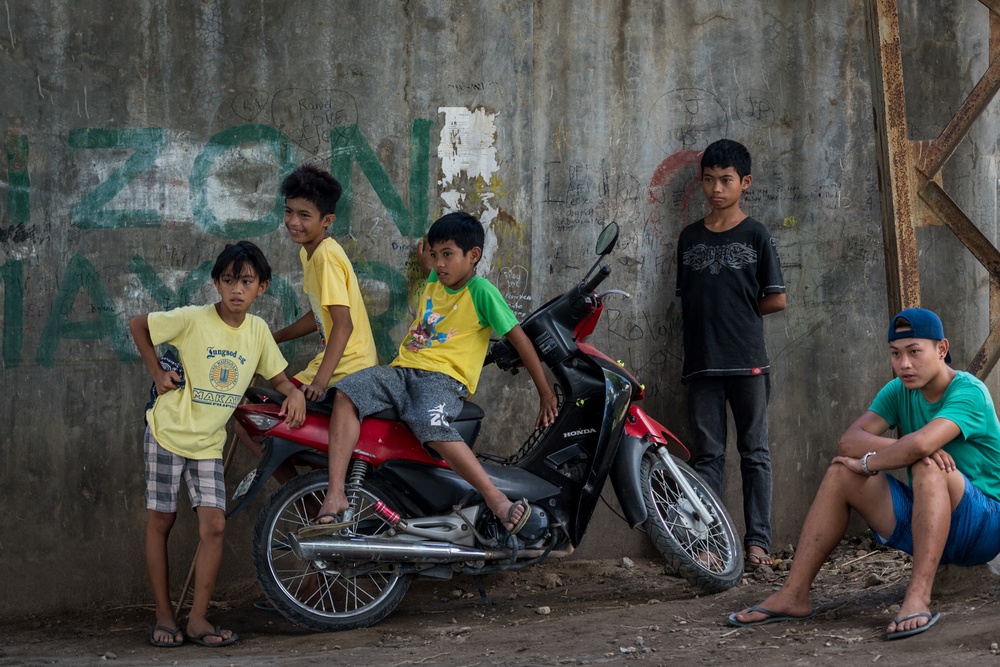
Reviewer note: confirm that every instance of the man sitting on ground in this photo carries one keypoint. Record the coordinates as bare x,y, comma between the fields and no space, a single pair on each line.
949,439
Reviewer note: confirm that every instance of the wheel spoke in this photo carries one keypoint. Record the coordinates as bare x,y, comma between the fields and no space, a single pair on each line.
329,593
710,540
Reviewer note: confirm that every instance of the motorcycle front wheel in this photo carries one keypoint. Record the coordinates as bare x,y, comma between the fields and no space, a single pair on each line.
703,550
323,596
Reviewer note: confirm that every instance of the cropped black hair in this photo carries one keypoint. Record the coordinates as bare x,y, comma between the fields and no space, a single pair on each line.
464,229
727,153
238,256
313,184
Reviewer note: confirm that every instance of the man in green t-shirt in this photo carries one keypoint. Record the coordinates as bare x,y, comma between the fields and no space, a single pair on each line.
949,440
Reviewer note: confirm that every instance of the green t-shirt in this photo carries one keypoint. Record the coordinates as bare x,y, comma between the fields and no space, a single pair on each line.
966,403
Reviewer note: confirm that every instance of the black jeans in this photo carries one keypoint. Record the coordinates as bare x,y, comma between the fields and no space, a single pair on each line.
747,396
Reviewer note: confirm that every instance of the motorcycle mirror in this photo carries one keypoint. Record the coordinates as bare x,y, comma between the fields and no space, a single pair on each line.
605,244
607,240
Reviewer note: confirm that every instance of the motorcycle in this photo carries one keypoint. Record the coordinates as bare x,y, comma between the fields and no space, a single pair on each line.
412,516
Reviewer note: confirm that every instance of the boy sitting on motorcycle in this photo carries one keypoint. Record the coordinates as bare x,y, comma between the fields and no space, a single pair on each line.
437,366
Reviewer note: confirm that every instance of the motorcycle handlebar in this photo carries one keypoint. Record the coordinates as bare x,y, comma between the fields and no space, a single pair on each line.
597,279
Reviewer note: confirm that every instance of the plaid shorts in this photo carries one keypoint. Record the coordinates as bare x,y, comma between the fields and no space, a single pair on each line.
203,478
428,402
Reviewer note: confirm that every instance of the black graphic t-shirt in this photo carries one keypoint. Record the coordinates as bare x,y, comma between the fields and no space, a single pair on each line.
720,277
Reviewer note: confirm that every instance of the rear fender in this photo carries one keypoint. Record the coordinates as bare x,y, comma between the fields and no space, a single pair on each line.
274,452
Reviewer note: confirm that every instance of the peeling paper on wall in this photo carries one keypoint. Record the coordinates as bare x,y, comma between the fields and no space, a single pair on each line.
468,152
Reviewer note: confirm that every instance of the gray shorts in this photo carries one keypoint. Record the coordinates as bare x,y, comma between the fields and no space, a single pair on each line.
426,401
203,478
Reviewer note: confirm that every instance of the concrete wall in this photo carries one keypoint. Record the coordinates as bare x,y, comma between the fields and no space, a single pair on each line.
140,137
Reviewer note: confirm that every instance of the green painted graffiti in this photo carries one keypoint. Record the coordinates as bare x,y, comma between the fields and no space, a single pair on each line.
12,274
200,178
90,213
18,183
105,322
168,299
394,312
349,145
81,274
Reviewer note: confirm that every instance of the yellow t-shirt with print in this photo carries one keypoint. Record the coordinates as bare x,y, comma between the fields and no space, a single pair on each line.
451,333
219,363
329,280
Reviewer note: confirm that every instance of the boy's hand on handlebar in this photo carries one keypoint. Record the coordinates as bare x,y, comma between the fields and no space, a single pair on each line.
548,408
293,409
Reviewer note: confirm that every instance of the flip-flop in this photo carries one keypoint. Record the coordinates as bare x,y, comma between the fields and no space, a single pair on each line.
217,632
523,502
931,620
162,644
317,529
770,617
754,561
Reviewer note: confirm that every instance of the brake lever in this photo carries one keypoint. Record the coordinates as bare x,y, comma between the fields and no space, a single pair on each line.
600,297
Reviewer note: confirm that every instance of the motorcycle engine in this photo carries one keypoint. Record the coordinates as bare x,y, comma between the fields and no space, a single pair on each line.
531,534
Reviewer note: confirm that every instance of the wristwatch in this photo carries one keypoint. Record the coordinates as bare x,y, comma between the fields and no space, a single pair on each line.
864,465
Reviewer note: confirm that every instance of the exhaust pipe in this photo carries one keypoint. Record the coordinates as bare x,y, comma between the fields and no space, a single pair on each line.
388,550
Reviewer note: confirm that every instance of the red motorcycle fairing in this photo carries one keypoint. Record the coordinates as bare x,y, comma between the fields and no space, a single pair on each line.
642,426
380,440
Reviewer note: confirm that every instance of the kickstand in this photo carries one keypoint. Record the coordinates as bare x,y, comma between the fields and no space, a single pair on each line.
483,595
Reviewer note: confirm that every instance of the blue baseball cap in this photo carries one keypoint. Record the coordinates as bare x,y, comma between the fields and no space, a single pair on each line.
923,323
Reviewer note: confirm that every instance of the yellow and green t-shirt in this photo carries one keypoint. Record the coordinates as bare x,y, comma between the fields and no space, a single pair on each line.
329,280
219,363
451,332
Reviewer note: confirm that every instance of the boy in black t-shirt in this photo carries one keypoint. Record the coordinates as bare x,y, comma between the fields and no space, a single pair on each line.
728,278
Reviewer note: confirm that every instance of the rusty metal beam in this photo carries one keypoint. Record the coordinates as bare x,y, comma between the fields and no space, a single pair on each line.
992,5
986,358
951,214
941,148
893,157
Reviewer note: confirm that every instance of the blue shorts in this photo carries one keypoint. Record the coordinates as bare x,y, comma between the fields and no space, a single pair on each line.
974,536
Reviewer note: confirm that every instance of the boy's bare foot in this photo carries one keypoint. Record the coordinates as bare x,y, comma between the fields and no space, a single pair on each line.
331,508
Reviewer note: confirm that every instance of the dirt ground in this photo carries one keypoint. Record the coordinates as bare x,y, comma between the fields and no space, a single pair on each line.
571,613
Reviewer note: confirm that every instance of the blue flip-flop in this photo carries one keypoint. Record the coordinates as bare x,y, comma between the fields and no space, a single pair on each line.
770,617
931,620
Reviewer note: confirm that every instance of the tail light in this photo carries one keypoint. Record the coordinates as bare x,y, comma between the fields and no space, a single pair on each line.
261,421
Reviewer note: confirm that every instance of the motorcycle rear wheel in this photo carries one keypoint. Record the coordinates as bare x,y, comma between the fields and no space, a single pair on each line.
706,554
323,596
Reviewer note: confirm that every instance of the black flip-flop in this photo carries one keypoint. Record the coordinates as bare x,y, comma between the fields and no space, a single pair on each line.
769,617
162,644
217,632
932,618
523,502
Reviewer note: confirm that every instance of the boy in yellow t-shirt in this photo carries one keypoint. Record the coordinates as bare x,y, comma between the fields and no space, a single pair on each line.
220,347
337,309
438,366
